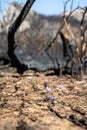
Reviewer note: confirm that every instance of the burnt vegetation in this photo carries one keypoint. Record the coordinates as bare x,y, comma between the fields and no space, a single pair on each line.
74,46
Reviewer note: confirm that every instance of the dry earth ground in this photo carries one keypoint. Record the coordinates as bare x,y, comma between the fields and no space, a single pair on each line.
27,104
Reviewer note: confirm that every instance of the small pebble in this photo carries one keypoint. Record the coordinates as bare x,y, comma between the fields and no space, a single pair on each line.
29,77
60,87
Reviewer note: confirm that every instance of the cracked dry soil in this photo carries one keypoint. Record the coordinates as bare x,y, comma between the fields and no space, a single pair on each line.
25,102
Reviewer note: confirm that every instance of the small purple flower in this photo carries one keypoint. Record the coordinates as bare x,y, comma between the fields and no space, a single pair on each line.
51,98
48,89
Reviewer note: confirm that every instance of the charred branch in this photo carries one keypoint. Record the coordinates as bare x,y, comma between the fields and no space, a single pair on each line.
82,37
62,25
11,33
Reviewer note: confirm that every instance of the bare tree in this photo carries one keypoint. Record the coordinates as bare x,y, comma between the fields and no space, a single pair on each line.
78,55
11,33
74,53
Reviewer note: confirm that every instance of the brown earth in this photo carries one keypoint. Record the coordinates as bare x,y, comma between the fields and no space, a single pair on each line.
25,103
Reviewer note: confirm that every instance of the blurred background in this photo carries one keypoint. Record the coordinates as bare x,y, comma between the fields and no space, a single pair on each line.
46,7
41,24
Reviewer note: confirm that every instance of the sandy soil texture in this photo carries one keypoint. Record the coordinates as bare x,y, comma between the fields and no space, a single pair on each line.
42,101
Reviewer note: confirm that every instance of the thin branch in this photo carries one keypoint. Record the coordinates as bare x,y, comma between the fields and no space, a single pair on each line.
68,27
53,40
83,44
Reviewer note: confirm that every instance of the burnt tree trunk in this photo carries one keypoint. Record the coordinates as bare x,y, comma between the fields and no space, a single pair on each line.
11,33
